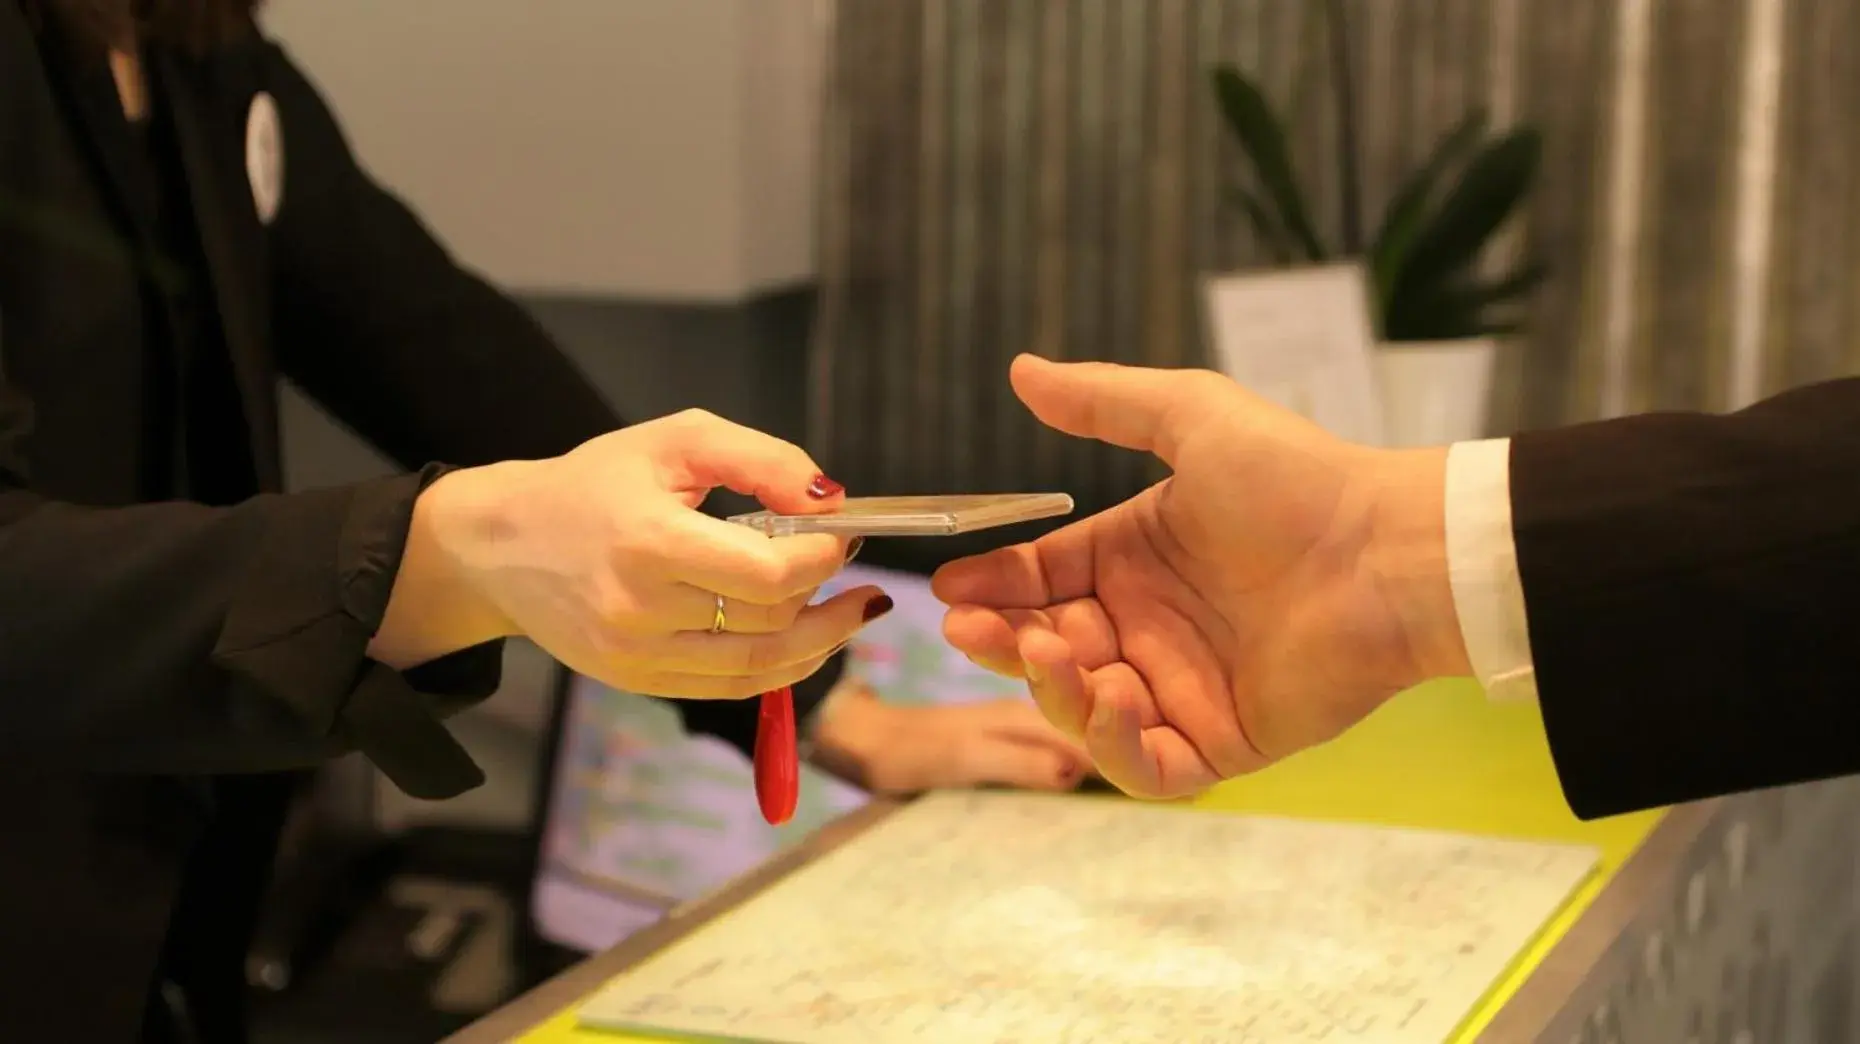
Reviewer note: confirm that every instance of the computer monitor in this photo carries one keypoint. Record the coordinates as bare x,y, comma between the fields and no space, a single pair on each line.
636,816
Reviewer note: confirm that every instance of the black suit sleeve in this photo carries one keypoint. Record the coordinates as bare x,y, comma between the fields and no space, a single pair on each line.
180,639
1692,584
375,321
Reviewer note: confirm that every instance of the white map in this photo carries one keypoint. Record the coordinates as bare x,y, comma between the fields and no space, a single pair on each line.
999,918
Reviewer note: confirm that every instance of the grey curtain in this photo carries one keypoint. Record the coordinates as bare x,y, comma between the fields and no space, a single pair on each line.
1045,175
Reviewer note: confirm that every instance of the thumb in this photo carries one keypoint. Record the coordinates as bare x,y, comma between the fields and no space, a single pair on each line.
1134,407
703,451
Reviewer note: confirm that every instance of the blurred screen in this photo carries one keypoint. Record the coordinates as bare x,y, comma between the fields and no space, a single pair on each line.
642,816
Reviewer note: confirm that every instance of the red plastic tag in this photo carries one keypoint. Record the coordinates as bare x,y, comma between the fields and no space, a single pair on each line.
778,759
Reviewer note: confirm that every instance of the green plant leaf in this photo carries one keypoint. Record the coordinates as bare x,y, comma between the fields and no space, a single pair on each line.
1522,280
1265,229
1491,187
1459,309
1343,94
1407,211
1466,295
1457,331
1262,138
1444,325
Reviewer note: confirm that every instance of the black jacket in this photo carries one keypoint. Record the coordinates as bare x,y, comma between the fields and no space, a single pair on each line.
1693,590
145,647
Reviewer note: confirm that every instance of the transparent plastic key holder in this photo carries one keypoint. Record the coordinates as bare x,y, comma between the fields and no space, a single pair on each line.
915,516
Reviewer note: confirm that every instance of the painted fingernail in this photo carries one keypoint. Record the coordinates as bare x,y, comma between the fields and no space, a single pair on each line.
852,549
877,607
824,487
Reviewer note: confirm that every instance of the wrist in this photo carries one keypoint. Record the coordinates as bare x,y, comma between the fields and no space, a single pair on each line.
436,608
1407,556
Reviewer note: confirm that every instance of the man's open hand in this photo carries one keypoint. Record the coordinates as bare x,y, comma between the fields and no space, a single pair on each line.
1274,590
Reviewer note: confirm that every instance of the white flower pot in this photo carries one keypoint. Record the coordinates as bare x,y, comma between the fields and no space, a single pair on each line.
1434,393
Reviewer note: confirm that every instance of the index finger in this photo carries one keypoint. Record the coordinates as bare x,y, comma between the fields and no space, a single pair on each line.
708,451
738,562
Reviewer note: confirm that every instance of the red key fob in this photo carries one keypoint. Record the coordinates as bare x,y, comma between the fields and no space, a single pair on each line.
778,760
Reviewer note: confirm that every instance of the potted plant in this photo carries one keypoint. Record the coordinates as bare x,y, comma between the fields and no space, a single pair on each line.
1436,319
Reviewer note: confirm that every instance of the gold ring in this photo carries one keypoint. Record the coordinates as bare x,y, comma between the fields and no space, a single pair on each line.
718,622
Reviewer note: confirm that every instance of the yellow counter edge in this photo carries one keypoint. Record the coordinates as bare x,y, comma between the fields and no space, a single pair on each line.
1441,757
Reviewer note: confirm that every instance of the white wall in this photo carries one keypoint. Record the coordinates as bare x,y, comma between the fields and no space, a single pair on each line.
659,149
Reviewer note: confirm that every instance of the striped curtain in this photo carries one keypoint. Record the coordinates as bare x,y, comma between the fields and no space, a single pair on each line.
1045,175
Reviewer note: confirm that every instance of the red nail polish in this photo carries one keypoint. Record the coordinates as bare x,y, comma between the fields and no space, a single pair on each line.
877,607
824,487
853,546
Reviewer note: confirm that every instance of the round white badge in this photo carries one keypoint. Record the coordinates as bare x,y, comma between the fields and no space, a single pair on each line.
264,156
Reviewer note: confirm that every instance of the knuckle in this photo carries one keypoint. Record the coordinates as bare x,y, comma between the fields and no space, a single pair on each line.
602,641
807,568
740,688
783,616
618,611
758,589
646,534
612,644
775,579
764,654
1233,755
766,620
745,617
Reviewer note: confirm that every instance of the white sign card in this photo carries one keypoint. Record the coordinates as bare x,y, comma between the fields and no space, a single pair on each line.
1303,338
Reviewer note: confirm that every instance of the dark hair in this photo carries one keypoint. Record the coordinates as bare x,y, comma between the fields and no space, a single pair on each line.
193,25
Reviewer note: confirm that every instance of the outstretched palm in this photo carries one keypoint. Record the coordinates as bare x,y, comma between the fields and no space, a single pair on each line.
1193,632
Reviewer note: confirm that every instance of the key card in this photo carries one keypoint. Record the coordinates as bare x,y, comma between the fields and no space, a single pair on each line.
915,516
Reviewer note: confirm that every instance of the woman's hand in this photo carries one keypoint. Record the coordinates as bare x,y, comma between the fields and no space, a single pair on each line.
893,749
601,558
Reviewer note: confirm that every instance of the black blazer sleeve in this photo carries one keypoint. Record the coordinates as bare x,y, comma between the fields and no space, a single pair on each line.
180,639
1692,585
375,321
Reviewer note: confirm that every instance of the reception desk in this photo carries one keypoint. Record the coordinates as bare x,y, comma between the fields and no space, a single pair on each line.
1726,922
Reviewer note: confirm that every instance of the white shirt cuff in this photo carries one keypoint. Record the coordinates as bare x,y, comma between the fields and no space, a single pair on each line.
1482,561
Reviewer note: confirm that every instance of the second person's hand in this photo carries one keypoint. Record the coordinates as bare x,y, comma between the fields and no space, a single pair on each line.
601,557
892,748
1274,590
